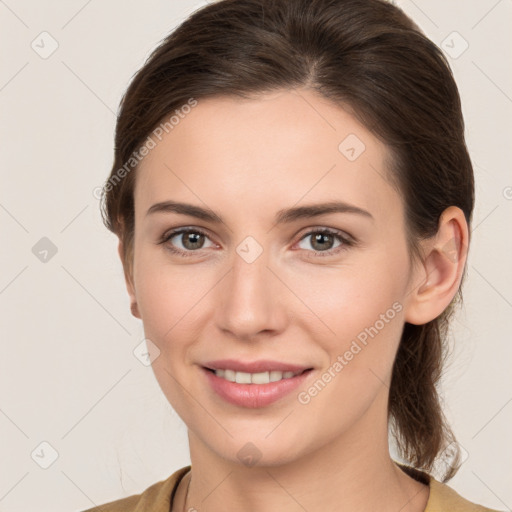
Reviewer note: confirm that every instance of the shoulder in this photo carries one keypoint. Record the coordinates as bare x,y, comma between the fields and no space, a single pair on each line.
156,498
443,499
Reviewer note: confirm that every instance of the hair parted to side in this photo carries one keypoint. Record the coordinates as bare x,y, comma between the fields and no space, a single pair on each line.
365,55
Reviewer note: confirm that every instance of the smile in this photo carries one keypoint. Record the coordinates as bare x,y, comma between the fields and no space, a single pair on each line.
254,378
254,390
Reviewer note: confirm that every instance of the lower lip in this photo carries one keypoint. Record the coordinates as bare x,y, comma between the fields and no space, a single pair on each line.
254,396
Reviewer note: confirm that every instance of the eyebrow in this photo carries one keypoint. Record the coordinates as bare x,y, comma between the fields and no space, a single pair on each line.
283,216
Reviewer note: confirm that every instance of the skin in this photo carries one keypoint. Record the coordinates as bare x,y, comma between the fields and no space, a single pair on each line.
245,160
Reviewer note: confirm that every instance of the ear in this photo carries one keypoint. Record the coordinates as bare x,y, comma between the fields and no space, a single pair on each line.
129,282
438,277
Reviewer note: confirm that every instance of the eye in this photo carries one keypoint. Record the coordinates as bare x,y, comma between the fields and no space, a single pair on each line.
322,241
191,240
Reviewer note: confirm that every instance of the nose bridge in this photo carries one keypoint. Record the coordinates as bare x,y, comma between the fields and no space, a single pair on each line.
250,302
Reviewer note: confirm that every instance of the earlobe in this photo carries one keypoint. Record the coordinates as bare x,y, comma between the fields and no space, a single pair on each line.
441,272
129,282
135,309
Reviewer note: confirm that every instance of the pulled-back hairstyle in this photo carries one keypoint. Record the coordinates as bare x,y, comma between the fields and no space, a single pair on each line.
365,55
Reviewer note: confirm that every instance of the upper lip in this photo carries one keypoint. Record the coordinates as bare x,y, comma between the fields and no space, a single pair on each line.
254,366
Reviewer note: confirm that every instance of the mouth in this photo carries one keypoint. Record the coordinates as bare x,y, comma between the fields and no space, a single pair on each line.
265,377
254,390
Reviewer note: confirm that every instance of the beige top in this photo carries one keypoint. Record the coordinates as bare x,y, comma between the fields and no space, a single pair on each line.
159,496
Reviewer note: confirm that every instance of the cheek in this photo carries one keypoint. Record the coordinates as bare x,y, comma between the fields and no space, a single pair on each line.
361,313
169,298
363,309
350,300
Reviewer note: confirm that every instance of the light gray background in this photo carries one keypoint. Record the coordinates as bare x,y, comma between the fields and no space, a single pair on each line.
68,375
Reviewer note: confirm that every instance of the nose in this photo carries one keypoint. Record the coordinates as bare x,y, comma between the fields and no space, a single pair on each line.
251,301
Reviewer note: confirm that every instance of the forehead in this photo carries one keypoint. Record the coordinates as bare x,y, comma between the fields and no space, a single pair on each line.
274,150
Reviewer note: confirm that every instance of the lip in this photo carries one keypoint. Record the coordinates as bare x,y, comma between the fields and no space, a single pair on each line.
254,396
254,366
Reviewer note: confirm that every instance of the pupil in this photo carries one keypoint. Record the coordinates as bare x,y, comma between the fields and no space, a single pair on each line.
321,236
193,238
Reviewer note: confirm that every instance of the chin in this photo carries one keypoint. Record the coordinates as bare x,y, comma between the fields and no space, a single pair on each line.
256,451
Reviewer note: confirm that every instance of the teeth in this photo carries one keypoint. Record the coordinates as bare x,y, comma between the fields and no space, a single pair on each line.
260,378
242,378
254,378
229,375
274,376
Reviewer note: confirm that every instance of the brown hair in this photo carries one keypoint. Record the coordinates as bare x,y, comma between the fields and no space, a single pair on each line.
364,54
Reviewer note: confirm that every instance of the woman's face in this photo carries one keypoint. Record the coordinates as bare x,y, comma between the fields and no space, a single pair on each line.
265,285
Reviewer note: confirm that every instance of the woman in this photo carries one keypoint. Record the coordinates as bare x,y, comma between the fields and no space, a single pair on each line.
293,194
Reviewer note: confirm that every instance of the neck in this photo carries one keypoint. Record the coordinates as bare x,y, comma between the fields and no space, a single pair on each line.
354,471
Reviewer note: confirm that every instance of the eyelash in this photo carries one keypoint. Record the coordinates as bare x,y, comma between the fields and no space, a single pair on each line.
346,242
